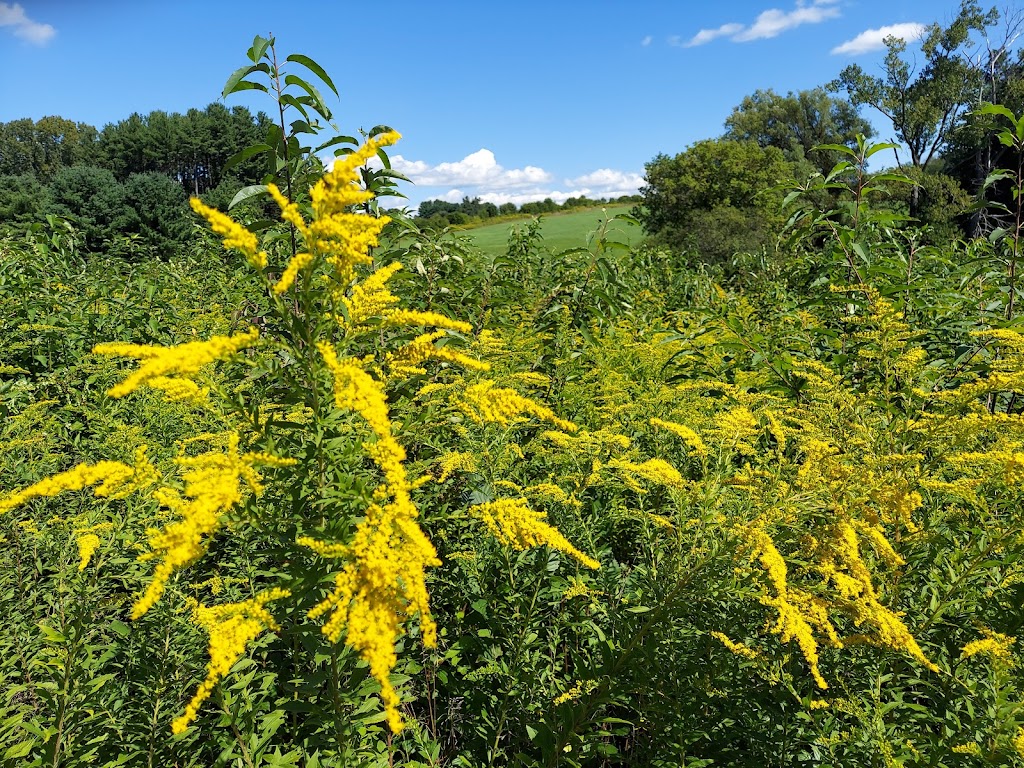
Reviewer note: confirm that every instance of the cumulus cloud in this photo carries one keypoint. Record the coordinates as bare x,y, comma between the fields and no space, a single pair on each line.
478,169
770,23
481,175
707,35
23,27
874,39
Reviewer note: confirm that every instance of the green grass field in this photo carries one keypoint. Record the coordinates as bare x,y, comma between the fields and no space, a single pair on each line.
560,230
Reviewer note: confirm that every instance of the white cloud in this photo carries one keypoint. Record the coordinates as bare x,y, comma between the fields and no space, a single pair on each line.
707,35
647,41
477,169
480,175
24,27
874,39
770,23
606,178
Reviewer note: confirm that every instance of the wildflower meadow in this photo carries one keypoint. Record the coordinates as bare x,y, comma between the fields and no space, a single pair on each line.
328,486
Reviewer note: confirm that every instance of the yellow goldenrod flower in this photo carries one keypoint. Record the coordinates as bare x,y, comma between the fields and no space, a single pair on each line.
159,363
739,649
230,628
656,471
212,487
690,437
87,543
455,461
512,522
113,480
485,402
233,233
994,645
408,358
299,262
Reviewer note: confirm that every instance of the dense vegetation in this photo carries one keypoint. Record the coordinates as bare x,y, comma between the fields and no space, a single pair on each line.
347,491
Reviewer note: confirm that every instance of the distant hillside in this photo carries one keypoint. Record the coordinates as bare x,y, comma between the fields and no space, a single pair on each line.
560,230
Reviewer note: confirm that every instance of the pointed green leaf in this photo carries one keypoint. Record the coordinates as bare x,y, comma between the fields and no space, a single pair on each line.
315,68
317,100
246,192
247,85
876,148
336,140
259,47
236,76
245,154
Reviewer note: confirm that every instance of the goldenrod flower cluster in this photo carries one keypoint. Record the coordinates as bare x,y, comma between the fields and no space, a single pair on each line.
579,688
689,436
384,579
372,300
169,368
484,402
455,461
512,522
212,487
87,543
739,649
408,359
230,628
657,471
994,645
234,234
113,480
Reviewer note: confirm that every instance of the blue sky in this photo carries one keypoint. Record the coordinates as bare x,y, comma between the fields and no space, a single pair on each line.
506,100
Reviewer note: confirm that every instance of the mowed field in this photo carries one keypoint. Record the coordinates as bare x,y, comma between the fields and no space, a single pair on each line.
560,230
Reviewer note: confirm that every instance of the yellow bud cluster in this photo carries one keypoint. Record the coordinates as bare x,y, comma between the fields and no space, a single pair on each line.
994,645
212,487
657,471
233,233
161,363
113,480
408,358
484,402
455,461
230,628
690,437
738,649
512,522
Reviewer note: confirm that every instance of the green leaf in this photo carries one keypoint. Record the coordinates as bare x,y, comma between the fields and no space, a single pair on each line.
259,47
19,750
876,148
245,154
315,68
318,100
246,192
236,78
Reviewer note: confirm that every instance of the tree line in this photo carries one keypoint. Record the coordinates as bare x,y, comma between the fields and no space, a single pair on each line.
723,195
131,180
441,213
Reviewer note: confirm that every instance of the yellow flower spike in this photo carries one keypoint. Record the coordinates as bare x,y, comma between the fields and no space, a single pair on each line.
87,543
213,485
656,471
159,363
484,402
512,522
289,211
298,263
384,580
233,233
112,478
230,628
